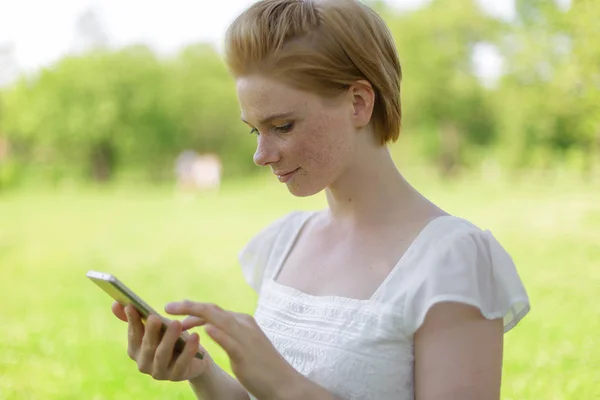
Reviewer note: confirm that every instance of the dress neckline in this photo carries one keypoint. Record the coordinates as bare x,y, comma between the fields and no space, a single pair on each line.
343,300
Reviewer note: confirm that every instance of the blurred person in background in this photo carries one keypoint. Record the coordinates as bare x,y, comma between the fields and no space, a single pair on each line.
198,172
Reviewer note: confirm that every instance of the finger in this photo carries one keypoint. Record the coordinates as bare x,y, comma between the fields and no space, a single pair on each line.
135,332
192,322
245,320
149,344
229,344
186,307
119,311
164,350
213,314
181,365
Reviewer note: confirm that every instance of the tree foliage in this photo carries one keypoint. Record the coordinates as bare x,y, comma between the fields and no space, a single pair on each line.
104,111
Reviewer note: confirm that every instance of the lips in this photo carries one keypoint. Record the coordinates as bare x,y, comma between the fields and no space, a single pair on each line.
285,176
278,173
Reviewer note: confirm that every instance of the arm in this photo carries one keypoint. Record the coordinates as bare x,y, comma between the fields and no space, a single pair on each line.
458,354
259,368
216,384
304,388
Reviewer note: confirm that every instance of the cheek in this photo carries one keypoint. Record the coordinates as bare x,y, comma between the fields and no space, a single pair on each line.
327,143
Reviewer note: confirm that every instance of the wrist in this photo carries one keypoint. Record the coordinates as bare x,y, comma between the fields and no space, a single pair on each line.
207,375
299,387
295,387
291,388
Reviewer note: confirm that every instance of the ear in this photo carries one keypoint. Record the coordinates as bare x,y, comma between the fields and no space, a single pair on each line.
363,102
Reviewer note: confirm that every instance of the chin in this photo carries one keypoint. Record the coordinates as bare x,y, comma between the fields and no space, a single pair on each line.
304,190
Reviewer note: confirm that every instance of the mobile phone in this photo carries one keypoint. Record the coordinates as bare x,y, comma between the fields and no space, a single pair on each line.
121,293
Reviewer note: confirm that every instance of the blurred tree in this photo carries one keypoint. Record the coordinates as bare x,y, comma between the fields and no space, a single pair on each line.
526,113
8,68
86,111
548,106
204,102
584,75
107,109
103,111
442,97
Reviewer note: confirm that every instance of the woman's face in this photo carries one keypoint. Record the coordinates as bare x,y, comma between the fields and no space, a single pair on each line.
306,140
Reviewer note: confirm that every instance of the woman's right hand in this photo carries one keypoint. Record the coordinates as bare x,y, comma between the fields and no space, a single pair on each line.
154,352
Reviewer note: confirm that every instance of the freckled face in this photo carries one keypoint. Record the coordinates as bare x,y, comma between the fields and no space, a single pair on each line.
306,140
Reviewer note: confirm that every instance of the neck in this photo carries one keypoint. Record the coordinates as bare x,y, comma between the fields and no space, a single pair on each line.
370,189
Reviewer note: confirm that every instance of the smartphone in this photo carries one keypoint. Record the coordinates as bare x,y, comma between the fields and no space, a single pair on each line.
121,293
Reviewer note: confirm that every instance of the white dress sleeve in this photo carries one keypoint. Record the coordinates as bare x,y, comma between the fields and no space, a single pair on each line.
469,267
255,256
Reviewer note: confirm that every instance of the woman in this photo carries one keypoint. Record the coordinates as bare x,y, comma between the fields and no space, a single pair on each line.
383,295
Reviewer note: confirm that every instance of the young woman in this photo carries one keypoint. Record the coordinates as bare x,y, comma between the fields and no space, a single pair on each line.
383,295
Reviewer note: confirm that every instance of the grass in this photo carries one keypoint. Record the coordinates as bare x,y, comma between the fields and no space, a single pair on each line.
59,340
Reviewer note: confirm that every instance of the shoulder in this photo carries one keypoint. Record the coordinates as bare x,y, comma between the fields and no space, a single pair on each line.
447,227
282,226
459,262
263,247
458,236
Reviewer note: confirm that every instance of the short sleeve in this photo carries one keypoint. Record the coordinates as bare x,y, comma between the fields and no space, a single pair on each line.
470,267
254,258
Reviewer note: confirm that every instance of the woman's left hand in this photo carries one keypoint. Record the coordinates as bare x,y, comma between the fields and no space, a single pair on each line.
254,361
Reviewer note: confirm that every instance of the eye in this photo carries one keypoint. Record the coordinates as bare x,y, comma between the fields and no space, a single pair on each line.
284,128
254,131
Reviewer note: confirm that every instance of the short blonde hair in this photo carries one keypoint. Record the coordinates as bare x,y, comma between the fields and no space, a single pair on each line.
321,46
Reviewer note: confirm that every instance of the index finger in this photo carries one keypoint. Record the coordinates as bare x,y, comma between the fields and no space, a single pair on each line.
210,313
119,311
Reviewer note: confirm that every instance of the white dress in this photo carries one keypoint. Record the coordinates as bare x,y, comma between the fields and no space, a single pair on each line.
363,349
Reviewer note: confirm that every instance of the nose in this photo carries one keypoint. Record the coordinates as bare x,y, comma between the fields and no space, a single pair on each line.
266,152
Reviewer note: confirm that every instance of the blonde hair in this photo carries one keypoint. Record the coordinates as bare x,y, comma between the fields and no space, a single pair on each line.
320,46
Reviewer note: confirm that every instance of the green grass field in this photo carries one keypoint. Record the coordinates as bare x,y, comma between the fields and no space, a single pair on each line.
59,340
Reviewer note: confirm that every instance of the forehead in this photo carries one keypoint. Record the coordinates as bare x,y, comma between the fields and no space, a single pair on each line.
260,97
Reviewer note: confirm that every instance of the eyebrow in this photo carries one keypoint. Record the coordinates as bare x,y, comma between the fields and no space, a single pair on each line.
268,119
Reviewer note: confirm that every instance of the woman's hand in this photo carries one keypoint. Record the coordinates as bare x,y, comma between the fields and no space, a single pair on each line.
154,351
254,361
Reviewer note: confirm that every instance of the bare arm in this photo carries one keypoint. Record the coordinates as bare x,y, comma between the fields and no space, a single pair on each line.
303,388
216,384
259,368
458,354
